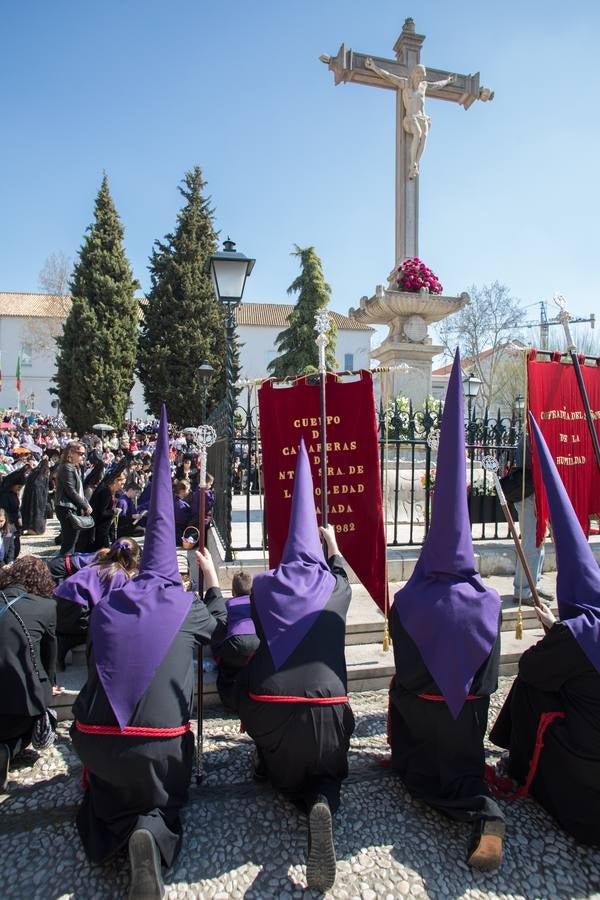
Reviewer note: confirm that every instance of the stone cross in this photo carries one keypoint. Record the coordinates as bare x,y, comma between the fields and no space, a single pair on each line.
411,81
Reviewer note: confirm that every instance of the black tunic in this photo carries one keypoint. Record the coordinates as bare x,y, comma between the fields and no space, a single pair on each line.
440,759
303,746
25,678
35,500
142,782
556,675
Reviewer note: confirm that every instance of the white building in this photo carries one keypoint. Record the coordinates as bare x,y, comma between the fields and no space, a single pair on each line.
29,324
258,325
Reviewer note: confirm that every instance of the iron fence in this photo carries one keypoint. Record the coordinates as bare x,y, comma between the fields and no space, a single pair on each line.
407,459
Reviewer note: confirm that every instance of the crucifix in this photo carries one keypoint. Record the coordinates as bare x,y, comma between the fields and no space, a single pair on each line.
412,82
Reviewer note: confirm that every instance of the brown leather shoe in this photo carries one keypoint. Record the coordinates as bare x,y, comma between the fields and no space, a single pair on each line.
485,849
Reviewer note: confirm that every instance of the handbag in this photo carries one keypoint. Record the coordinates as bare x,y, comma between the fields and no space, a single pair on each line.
512,484
82,523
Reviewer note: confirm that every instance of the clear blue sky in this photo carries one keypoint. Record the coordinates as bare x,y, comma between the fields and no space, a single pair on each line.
145,89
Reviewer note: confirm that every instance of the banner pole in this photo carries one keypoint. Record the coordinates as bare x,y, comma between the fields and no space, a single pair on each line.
564,319
323,324
206,436
491,464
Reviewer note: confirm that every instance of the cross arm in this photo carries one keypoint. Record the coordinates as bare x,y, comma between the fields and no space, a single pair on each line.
465,89
349,66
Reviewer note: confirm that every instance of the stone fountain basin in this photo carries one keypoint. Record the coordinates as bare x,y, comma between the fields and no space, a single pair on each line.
385,306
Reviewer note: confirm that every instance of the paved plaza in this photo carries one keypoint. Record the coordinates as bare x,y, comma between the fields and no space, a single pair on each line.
243,840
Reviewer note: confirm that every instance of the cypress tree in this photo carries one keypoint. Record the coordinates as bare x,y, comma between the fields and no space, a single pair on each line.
97,348
298,351
184,324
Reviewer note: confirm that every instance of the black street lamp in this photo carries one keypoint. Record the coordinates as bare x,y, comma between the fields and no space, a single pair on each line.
229,271
205,373
471,385
520,406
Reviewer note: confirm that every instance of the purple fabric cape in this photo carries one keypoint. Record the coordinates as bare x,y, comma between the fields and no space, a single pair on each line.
578,579
133,629
239,616
445,607
288,599
90,585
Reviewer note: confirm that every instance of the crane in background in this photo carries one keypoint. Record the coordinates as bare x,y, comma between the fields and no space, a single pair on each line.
544,324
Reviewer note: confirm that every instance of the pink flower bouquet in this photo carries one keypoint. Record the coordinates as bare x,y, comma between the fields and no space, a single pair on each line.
413,275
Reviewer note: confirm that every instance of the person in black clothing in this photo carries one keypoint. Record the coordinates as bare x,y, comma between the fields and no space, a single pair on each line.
69,495
35,498
10,502
141,675
240,643
550,721
27,659
103,502
7,540
291,697
445,629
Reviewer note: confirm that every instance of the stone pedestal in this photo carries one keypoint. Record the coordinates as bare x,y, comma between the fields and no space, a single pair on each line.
408,316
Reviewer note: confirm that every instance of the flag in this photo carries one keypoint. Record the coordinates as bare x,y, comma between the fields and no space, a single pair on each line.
18,372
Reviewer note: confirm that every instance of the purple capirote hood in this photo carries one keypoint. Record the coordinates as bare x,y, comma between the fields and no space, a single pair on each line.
578,578
445,607
289,599
133,629
239,616
90,585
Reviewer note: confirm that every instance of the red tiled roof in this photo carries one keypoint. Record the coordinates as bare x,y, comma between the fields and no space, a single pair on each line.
275,315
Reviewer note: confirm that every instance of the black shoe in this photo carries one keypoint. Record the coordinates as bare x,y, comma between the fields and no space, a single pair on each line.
260,770
485,848
320,868
545,595
144,859
4,766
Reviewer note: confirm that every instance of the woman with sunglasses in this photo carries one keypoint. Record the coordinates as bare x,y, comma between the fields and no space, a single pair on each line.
70,498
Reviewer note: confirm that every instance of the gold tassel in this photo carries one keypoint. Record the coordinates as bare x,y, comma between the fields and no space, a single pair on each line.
387,643
519,625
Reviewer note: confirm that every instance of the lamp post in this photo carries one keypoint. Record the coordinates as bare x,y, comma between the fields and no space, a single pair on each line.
520,406
229,271
205,373
471,385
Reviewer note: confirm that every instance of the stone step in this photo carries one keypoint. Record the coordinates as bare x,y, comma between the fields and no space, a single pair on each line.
369,669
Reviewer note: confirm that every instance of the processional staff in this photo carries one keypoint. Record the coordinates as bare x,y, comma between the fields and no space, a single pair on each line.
323,324
205,436
564,318
490,464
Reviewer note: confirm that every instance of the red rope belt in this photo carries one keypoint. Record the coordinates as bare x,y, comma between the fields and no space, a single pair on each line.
133,730
68,565
318,701
440,699
498,785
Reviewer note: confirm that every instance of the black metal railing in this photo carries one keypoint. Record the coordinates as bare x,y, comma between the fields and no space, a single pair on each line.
407,458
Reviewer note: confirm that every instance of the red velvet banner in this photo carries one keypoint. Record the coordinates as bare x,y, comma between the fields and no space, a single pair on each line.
557,407
288,413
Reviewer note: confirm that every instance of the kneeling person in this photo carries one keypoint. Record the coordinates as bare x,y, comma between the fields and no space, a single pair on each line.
445,627
292,697
550,721
132,729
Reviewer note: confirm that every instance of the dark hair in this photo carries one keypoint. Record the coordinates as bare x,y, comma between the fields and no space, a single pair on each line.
30,572
123,555
241,584
179,486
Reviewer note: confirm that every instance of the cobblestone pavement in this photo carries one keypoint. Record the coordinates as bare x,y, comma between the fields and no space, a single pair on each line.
242,840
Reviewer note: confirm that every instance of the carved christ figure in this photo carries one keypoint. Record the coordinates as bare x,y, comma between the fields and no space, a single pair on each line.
416,122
